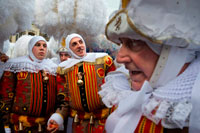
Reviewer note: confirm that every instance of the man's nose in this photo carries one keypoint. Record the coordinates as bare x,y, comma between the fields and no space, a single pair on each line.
122,57
42,47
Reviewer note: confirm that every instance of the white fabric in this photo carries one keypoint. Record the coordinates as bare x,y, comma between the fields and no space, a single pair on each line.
181,87
174,91
90,57
21,46
173,30
111,96
25,64
175,97
1,70
67,41
126,117
175,61
7,130
116,87
178,26
59,120
31,44
155,47
56,60
194,120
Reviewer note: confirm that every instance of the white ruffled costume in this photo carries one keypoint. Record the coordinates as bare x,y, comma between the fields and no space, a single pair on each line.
173,97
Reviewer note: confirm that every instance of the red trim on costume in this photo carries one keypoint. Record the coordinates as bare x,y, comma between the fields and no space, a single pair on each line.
147,126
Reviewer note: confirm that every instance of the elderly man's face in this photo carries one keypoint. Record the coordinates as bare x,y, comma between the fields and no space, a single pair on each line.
78,46
39,50
64,56
139,59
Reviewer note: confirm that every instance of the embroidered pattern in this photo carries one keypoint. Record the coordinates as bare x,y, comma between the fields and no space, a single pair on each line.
118,23
22,75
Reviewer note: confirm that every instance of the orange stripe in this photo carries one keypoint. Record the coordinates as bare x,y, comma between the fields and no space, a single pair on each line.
77,89
95,86
141,129
153,127
148,126
145,125
87,87
91,79
40,93
70,82
31,102
94,89
74,89
34,110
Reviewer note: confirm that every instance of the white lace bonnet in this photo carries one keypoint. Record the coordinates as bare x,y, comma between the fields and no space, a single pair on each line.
164,23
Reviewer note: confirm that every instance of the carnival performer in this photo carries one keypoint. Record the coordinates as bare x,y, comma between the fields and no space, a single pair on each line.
28,89
79,80
160,48
63,55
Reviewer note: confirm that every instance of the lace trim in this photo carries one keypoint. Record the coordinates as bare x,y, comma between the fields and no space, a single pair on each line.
171,114
111,96
116,87
29,67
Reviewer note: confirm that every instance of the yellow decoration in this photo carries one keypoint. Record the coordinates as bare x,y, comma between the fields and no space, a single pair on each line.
24,120
63,42
125,3
40,120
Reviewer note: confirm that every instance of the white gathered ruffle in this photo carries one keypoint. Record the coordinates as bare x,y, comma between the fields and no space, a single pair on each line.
171,114
116,87
23,64
112,96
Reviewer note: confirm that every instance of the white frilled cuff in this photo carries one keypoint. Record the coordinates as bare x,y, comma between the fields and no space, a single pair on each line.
59,120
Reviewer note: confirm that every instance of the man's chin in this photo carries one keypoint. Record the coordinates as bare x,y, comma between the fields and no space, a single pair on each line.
136,86
81,55
40,58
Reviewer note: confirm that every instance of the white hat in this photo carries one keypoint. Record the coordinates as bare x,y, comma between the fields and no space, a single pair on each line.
67,41
166,22
175,25
31,44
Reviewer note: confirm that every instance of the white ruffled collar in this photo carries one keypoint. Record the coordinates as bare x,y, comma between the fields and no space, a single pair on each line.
171,104
25,64
174,112
90,57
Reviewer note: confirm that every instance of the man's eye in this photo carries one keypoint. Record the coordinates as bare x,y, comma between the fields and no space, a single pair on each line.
74,44
37,44
80,41
134,44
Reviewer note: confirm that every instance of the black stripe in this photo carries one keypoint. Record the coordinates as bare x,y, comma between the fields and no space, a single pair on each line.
82,92
44,104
